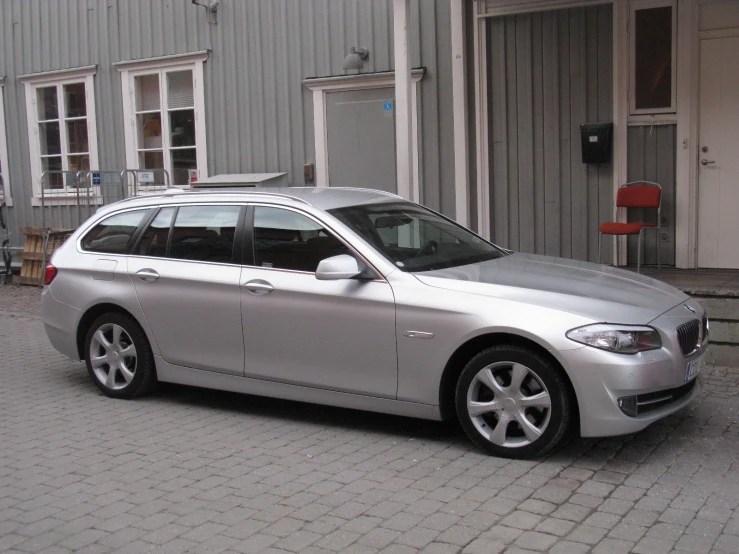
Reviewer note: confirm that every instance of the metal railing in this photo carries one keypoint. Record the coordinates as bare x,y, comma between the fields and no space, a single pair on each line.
5,272
68,198
135,182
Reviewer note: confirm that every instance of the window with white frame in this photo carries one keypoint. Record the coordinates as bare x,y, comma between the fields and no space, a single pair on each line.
653,47
163,106
60,106
4,181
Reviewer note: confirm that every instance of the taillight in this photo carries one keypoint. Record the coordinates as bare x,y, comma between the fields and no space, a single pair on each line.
49,274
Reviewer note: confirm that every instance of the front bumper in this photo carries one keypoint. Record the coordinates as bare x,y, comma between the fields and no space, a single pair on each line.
600,378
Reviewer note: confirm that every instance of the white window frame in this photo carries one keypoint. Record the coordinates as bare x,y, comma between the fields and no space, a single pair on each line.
166,64
4,149
363,81
645,5
34,81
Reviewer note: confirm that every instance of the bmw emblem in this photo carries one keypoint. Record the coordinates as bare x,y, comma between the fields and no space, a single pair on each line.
689,308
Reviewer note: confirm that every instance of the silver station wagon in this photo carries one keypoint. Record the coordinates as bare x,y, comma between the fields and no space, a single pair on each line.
360,299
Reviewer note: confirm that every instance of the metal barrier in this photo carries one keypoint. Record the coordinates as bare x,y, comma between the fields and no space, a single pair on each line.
5,272
70,197
136,182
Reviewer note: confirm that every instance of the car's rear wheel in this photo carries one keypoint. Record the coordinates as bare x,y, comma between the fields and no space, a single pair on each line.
513,402
119,357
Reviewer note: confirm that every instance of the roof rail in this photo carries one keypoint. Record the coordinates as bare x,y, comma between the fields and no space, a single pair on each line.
376,191
252,190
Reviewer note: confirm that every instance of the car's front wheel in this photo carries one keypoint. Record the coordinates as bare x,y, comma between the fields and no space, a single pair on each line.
118,356
513,402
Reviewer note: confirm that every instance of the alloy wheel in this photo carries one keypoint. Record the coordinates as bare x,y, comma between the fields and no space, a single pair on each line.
113,356
509,404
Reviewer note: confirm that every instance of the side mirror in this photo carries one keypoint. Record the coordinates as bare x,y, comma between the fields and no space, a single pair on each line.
338,267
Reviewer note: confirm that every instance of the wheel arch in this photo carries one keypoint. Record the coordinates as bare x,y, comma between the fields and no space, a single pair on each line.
474,346
91,315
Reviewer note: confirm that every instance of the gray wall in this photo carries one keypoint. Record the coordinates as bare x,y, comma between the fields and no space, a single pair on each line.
259,117
652,158
548,73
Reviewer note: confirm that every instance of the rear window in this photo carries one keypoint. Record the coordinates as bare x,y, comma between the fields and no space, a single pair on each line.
113,234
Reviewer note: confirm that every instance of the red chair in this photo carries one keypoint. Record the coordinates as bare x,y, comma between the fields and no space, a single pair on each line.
638,194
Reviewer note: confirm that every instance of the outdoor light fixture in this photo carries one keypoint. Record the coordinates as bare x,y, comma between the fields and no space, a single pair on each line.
210,8
355,58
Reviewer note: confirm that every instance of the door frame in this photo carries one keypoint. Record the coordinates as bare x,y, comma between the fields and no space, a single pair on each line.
320,86
729,32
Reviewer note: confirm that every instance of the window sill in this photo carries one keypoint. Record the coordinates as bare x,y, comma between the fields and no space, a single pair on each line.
66,199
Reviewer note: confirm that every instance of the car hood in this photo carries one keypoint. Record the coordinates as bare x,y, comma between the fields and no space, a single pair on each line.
598,292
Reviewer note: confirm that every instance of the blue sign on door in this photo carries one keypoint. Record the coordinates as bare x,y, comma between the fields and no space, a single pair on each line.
388,106
96,178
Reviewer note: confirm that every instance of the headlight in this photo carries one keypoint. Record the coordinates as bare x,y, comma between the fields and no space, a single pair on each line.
623,339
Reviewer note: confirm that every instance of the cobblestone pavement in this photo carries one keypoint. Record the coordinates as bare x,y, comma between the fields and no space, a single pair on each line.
205,471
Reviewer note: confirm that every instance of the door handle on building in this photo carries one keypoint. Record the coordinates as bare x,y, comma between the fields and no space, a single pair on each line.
706,162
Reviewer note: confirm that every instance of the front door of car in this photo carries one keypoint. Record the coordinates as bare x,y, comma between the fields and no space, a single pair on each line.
336,335
188,286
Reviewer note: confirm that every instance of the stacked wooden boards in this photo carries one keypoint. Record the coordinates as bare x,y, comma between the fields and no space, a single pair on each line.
32,268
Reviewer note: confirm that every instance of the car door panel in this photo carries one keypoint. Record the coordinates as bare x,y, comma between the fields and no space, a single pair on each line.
337,335
193,311
192,306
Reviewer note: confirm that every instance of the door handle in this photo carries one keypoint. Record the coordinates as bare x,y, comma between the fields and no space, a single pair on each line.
706,162
259,287
147,275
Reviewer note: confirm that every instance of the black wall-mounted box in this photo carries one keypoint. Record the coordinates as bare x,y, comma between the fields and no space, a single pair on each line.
596,140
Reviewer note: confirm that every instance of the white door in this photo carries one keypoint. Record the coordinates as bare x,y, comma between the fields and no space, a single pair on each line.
718,156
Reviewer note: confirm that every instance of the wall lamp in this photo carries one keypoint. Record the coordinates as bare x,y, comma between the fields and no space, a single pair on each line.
211,9
355,58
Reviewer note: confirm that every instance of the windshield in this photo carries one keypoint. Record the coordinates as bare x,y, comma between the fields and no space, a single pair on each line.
416,239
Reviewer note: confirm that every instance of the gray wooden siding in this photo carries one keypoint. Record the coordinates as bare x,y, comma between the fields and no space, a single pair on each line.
548,73
259,117
651,157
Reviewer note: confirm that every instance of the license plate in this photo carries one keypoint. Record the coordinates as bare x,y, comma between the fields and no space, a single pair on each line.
695,367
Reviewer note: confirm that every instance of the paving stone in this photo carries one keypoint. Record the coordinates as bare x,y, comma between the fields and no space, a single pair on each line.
534,540
204,471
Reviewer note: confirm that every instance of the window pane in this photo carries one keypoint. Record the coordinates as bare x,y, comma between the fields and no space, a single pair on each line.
53,181
74,96
77,136
79,162
49,139
47,103
180,89
205,233
182,124
653,53
113,234
285,239
150,130
147,93
151,160
182,162
154,240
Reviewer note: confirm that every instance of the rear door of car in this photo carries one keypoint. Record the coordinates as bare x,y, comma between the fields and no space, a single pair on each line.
187,282
337,335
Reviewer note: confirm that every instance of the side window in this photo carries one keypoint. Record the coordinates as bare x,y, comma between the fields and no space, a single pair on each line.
113,234
204,233
284,239
154,240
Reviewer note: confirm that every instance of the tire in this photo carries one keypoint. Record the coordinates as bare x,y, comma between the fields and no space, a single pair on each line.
513,402
119,357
